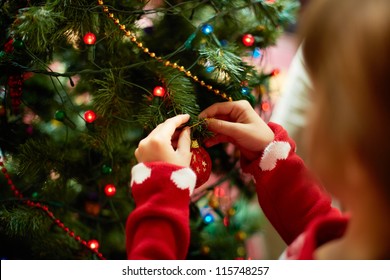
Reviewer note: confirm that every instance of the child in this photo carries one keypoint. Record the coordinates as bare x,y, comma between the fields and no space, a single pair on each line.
346,50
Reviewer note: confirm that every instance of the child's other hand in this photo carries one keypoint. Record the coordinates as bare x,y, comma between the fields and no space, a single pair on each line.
160,144
236,122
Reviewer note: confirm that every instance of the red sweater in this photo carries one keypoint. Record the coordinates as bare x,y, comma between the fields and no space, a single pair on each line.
292,200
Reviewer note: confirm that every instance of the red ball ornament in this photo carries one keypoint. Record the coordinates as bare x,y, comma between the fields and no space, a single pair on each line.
89,38
159,91
110,190
200,163
93,244
248,40
90,116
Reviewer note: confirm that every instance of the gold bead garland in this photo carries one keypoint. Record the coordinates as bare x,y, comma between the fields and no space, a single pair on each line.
167,63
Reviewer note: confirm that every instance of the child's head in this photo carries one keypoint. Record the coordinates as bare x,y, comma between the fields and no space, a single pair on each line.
347,54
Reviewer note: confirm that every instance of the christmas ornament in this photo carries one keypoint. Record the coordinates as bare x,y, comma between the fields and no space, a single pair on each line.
93,244
200,163
275,72
241,251
257,53
240,235
248,40
89,38
92,208
110,190
231,212
159,91
207,29
265,106
62,117
106,169
245,90
214,203
3,54
205,250
226,221
219,192
210,69
224,43
9,47
208,218
59,115
18,44
89,116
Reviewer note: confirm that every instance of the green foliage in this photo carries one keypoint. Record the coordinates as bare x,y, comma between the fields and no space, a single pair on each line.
26,224
36,26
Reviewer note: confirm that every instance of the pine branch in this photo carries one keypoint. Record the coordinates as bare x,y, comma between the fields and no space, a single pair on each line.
23,222
36,26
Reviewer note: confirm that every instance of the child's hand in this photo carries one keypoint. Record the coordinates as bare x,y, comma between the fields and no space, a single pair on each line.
158,146
238,123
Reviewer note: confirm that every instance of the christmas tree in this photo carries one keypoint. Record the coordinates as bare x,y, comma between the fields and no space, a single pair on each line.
82,82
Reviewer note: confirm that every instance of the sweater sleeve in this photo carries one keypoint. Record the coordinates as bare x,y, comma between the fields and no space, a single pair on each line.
158,227
288,194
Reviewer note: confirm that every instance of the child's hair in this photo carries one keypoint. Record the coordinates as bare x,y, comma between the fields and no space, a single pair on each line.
347,54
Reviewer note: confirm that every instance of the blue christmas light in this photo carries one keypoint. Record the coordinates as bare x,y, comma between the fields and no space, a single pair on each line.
245,90
208,218
207,29
223,43
210,69
257,53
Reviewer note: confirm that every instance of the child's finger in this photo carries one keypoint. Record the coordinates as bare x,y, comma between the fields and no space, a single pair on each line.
233,109
168,127
184,141
224,127
221,108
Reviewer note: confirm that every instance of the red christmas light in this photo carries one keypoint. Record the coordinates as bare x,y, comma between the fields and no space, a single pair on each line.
110,190
265,106
226,221
248,40
275,72
159,91
89,38
93,244
90,116
219,192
